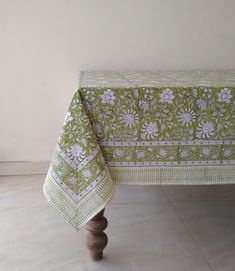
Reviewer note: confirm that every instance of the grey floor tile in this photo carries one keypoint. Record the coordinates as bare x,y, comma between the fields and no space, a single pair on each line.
105,265
188,193
225,263
139,217
36,238
171,263
22,191
147,229
137,194
212,225
146,232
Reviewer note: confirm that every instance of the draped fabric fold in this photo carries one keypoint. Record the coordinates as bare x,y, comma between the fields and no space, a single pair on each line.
141,128
78,183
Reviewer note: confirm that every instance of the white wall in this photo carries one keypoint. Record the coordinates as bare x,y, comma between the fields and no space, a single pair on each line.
45,43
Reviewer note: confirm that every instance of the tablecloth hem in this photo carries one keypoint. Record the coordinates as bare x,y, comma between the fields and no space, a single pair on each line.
200,175
78,214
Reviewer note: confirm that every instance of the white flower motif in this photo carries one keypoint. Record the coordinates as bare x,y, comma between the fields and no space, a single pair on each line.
87,173
227,153
77,152
57,162
206,92
195,92
84,142
149,130
225,95
129,117
140,154
205,151
119,152
72,180
144,105
205,129
68,117
162,152
136,93
167,96
108,97
184,153
201,103
186,116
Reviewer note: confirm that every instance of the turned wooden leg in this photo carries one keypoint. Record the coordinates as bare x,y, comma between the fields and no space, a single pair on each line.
96,239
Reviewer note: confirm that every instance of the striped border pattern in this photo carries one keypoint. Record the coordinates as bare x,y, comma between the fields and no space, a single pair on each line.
78,214
68,191
174,175
167,143
82,163
171,164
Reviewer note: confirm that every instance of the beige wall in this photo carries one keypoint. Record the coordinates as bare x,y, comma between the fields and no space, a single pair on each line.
44,44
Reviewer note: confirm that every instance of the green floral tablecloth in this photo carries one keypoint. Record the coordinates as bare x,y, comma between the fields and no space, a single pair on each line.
147,127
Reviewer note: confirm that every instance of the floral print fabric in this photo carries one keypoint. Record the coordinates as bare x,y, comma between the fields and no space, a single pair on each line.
178,123
144,130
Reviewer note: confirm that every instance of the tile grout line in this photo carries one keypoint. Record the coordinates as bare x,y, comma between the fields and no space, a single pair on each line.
187,229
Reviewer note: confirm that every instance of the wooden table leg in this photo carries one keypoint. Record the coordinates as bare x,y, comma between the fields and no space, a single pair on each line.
96,239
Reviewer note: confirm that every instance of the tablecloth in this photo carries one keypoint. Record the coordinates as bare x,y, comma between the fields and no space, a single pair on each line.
141,127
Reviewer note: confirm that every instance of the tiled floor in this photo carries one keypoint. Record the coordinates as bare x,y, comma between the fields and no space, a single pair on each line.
151,228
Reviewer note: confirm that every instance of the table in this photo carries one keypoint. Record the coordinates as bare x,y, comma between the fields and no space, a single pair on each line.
140,127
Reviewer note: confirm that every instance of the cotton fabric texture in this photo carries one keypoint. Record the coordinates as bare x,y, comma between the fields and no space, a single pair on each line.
162,127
